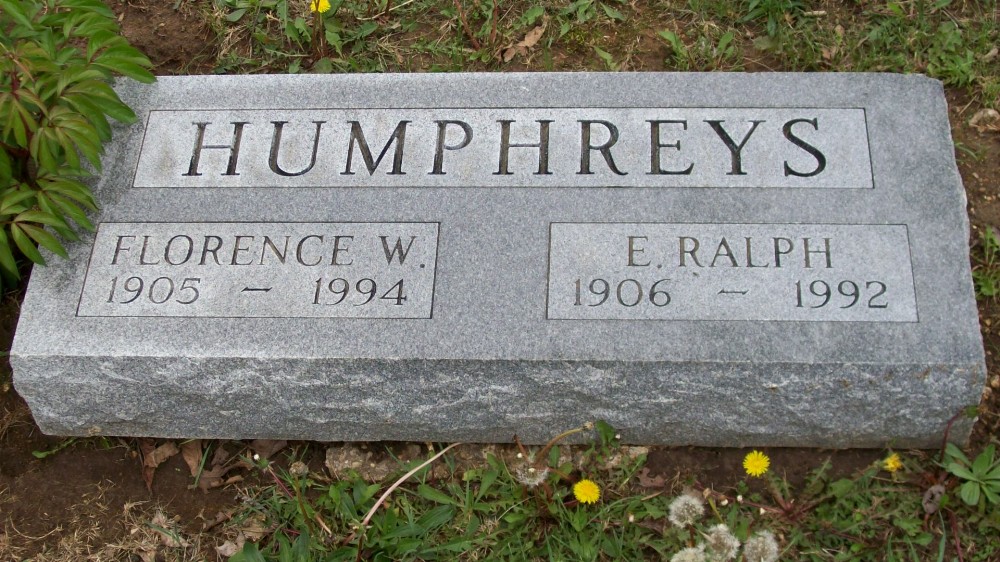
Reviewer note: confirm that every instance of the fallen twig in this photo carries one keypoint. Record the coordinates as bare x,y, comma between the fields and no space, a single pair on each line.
465,26
398,483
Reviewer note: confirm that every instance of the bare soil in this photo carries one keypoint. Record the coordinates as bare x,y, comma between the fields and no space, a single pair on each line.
80,502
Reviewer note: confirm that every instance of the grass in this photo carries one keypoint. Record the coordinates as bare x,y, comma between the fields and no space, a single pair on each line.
952,40
497,509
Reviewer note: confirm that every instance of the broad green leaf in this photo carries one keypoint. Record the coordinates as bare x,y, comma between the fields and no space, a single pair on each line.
12,199
13,10
133,71
39,217
612,13
45,238
954,452
406,530
961,471
68,187
25,244
236,15
72,211
91,112
983,462
250,553
970,493
533,14
114,109
436,517
991,495
7,261
435,495
489,477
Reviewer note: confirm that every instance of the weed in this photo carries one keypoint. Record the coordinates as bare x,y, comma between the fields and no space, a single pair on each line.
980,477
986,272
705,53
498,509
775,13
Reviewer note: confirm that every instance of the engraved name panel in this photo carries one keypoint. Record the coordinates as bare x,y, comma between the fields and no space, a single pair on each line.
782,272
507,147
262,270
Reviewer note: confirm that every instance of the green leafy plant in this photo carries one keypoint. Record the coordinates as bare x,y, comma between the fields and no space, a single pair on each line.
773,11
986,273
704,54
981,477
57,58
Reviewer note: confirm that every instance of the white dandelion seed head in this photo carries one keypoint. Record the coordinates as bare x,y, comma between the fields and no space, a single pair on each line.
256,457
530,476
685,510
739,498
693,554
298,468
762,547
721,544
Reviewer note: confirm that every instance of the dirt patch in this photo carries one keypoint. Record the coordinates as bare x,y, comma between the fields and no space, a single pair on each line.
172,34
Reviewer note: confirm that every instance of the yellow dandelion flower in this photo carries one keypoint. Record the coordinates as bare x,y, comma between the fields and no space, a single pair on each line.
586,491
892,463
756,463
321,6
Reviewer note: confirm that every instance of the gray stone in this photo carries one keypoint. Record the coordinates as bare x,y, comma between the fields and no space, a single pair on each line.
709,259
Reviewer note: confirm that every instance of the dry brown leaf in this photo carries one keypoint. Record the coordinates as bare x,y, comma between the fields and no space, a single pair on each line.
215,476
529,41
267,447
254,528
650,482
191,451
153,456
230,548
160,454
986,120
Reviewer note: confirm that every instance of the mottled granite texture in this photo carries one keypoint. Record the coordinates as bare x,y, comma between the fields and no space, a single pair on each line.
705,259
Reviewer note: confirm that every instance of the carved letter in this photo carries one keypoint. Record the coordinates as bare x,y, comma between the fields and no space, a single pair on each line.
825,251
234,148
542,146
119,248
735,150
820,159
441,146
187,256
276,144
655,145
358,138
397,249
605,149
633,250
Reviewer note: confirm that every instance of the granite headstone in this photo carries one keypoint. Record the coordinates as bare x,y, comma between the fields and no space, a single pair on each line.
709,259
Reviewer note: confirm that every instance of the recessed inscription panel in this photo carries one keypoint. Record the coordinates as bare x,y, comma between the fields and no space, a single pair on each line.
515,147
798,272
235,270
